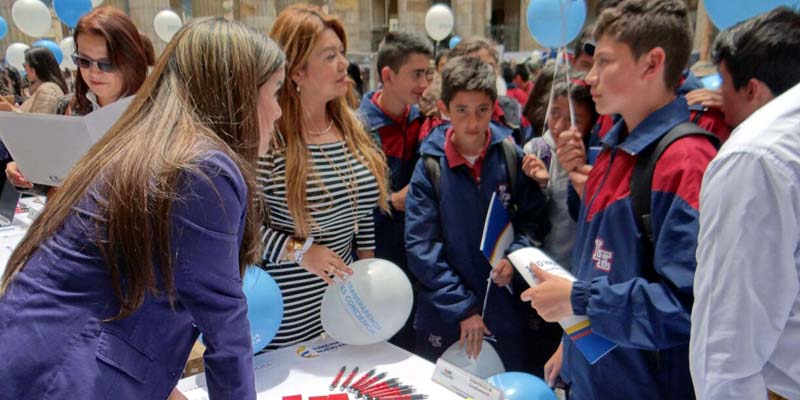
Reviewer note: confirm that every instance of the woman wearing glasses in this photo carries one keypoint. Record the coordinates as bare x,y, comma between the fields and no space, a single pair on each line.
112,60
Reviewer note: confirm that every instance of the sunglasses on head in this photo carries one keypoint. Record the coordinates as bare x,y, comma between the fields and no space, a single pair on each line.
86,63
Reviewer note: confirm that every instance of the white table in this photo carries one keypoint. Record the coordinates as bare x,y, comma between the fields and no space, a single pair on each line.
309,368
12,234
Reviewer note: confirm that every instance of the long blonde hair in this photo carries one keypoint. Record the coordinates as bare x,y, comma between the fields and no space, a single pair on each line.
201,96
297,29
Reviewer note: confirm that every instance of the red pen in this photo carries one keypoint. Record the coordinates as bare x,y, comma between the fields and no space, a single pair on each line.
392,392
349,379
406,397
380,385
338,376
361,380
393,388
370,381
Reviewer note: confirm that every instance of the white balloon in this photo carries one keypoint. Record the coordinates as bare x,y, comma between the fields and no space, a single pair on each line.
439,21
68,48
32,17
166,24
370,306
487,364
96,3
15,55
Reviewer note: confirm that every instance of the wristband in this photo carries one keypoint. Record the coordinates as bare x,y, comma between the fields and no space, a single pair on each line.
298,254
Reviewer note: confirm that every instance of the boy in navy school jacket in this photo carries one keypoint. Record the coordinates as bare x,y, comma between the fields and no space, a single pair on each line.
642,303
444,226
394,120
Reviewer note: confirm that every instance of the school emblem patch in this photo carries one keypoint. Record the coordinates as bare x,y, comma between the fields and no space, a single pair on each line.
602,257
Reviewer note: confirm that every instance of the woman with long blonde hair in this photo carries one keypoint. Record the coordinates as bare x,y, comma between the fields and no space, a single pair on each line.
324,176
144,246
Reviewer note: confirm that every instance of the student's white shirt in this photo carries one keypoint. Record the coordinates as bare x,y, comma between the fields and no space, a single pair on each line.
745,335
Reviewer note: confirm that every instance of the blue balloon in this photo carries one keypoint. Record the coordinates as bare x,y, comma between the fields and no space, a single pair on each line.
3,27
454,41
264,306
522,386
727,13
53,47
70,11
552,29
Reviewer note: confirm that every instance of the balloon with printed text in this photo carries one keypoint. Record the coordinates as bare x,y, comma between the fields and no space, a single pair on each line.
368,307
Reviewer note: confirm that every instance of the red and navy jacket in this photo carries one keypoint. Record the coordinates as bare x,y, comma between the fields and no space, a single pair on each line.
399,139
648,320
443,237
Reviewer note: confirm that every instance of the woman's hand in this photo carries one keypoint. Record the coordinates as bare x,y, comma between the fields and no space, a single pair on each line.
5,105
15,176
324,263
176,395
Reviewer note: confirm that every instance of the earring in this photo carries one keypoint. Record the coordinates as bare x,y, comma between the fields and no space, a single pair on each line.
298,88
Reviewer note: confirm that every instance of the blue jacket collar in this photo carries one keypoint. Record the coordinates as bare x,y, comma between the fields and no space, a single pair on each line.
650,129
433,145
690,82
376,118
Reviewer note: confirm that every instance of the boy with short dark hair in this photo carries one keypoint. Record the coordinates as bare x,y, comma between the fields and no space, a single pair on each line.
746,315
446,208
395,120
636,293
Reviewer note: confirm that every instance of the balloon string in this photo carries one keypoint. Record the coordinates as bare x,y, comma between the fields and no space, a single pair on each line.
566,63
569,91
552,94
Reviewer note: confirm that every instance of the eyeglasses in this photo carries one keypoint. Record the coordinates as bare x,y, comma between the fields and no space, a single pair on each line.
86,63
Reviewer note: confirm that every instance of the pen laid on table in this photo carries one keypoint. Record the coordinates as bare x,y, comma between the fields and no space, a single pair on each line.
336,379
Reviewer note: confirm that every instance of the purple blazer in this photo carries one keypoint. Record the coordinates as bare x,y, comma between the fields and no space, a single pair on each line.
54,343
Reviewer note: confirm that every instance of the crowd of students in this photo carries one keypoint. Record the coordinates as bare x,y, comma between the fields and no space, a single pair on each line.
684,254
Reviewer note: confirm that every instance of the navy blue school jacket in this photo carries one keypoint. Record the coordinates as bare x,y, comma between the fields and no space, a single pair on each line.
443,235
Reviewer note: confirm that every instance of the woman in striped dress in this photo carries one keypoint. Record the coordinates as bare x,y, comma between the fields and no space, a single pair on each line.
324,177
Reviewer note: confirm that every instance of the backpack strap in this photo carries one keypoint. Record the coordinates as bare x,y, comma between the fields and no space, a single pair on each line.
434,172
642,183
510,155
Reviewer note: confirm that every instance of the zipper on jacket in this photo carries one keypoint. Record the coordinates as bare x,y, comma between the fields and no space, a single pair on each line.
603,181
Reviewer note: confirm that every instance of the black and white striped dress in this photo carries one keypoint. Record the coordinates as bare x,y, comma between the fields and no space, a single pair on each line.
330,205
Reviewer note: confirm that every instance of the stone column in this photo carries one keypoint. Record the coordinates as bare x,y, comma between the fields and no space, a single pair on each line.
412,15
471,17
257,14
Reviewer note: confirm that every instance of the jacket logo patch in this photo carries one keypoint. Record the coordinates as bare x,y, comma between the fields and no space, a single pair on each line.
435,341
504,194
602,257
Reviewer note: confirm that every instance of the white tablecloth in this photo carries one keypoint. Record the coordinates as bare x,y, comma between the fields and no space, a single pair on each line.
308,369
12,234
